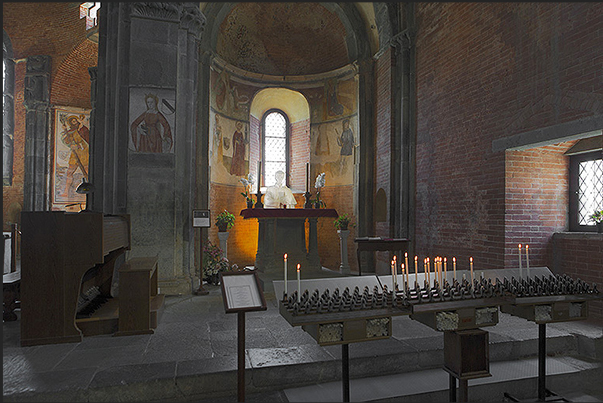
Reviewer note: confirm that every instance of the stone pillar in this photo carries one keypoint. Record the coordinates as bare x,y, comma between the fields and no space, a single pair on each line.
223,237
36,186
150,48
344,267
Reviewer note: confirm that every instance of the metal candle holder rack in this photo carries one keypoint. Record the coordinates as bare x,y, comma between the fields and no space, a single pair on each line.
383,298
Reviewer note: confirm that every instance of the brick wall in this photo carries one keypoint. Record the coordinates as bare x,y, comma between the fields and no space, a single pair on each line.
580,255
485,72
536,201
52,29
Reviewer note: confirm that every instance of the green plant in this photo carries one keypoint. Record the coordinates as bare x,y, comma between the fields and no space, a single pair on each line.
225,220
342,222
597,216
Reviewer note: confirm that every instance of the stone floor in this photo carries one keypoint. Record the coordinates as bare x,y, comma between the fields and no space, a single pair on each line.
192,356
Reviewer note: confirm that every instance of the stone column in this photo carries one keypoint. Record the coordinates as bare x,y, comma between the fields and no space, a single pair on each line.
36,186
223,237
344,267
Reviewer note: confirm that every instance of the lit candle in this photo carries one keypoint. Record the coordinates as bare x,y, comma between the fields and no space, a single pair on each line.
406,264
416,270
520,271
471,264
428,272
285,256
445,272
454,268
527,261
393,270
298,284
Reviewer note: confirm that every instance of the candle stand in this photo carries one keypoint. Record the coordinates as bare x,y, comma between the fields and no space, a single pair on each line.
308,203
258,203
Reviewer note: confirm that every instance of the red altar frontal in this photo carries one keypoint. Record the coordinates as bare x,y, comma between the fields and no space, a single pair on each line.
283,231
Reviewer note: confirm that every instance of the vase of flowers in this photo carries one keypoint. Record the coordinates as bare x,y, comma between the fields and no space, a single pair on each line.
597,218
225,221
214,262
247,184
319,184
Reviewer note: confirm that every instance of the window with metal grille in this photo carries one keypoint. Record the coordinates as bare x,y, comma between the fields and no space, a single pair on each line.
275,147
586,189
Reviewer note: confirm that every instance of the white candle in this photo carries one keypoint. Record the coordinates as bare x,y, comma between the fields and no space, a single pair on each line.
416,270
393,275
406,264
454,268
298,284
259,176
520,271
428,272
285,273
471,264
527,261
405,272
445,272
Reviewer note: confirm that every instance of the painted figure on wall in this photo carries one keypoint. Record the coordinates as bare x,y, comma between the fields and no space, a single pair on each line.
322,142
333,106
218,140
346,139
237,166
76,136
151,131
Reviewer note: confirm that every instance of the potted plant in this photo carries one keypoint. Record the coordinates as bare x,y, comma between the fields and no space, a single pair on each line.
342,222
225,221
247,182
597,218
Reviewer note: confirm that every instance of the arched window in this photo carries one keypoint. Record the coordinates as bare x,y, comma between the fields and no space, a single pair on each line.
275,145
8,106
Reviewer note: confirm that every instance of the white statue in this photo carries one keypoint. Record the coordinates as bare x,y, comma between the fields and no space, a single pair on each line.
279,195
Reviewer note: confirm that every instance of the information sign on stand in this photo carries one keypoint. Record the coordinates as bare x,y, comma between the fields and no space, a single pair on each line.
201,219
241,292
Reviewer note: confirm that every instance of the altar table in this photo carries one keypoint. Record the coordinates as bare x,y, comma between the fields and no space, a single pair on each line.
381,244
283,231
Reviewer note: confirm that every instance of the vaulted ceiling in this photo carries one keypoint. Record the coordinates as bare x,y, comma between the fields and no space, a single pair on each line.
294,38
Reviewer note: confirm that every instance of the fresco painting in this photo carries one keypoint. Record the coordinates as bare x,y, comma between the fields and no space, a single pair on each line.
228,97
152,120
71,156
333,150
229,149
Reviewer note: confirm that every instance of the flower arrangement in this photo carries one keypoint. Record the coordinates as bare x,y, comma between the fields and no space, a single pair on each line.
247,182
215,262
320,183
597,216
225,220
342,222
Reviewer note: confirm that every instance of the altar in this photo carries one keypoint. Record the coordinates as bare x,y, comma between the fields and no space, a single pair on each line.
283,231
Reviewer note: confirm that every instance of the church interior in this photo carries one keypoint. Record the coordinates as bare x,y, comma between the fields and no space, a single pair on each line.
322,170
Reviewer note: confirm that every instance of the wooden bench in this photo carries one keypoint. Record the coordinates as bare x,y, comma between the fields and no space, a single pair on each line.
140,305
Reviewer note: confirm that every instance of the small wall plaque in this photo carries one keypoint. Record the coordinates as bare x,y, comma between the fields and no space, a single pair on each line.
201,219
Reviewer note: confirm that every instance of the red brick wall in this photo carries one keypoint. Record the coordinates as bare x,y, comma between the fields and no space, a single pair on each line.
580,255
485,72
52,29
536,201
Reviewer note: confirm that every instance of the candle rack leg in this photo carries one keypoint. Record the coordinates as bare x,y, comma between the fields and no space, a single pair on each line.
463,390
345,371
542,362
452,388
